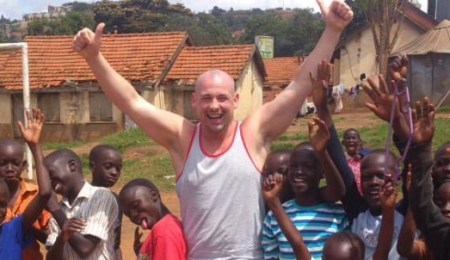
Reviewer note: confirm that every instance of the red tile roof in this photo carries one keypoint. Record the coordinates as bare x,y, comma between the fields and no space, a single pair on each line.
280,71
137,57
230,58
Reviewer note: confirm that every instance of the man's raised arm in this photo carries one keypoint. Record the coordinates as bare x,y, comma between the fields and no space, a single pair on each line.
273,118
162,126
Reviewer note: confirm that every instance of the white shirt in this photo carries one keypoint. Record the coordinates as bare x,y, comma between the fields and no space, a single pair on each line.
367,227
97,206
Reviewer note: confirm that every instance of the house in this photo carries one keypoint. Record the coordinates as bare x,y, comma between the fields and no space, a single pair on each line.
63,86
280,72
355,55
242,62
161,66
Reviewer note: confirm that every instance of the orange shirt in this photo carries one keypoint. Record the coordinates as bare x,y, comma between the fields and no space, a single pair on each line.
27,192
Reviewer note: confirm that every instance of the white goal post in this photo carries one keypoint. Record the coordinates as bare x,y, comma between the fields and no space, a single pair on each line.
26,94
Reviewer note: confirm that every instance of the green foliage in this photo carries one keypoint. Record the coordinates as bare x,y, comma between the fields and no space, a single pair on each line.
126,139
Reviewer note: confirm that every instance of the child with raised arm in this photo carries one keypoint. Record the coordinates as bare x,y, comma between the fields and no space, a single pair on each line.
311,211
277,162
373,218
14,234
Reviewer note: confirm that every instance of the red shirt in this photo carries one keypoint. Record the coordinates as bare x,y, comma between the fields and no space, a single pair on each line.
166,241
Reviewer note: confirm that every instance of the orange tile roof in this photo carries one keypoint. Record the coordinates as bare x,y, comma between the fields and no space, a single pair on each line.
137,57
230,58
280,71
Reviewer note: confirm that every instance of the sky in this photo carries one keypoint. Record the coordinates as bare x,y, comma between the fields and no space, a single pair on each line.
15,9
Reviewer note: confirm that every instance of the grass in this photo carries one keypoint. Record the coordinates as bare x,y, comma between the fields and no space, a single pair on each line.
154,163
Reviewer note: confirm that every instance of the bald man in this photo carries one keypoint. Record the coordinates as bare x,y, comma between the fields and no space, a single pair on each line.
217,161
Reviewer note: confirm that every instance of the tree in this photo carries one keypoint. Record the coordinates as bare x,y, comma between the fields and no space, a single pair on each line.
385,19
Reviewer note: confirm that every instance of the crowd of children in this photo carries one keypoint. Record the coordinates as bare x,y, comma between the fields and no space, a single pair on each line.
353,215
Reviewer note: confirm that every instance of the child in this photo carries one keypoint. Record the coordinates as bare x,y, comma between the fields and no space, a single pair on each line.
374,219
141,202
22,193
14,234
313,216
278,162
343,246
105,163
91,213
355,153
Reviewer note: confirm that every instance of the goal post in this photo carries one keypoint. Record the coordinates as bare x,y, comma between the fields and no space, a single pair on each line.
26,94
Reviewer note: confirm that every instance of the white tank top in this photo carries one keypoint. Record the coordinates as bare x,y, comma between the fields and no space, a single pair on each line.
221,202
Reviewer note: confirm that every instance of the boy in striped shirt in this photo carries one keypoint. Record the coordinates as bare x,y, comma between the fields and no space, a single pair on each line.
312,212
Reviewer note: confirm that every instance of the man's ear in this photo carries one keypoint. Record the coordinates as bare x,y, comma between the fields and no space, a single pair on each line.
236,100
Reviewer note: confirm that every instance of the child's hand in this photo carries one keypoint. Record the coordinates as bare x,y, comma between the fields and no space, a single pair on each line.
319,136
382,98
71,226
388,196
423,118
272,186
398,68
137,244
32,133
320,85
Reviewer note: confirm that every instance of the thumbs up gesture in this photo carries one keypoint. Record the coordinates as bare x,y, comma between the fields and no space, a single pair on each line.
87,43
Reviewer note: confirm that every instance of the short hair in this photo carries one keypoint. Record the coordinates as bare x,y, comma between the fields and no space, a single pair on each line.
376,152
140,182
10,142
96,151
351,130
348,237
65,154
441,149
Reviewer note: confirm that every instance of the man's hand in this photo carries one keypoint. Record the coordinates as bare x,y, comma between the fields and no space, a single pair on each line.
423,118
32,133
382,97
337,15
319,136
87,43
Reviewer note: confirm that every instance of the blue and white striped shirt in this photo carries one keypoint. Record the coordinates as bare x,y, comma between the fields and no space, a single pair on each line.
315,223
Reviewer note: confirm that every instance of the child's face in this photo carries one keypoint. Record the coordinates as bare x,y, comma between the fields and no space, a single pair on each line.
304,171
107,167
4,199
351,142
11,162
61,176
441,168
373,177
442,199
276,163
141,205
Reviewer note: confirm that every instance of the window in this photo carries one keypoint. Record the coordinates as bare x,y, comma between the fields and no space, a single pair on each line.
49,103
100,108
